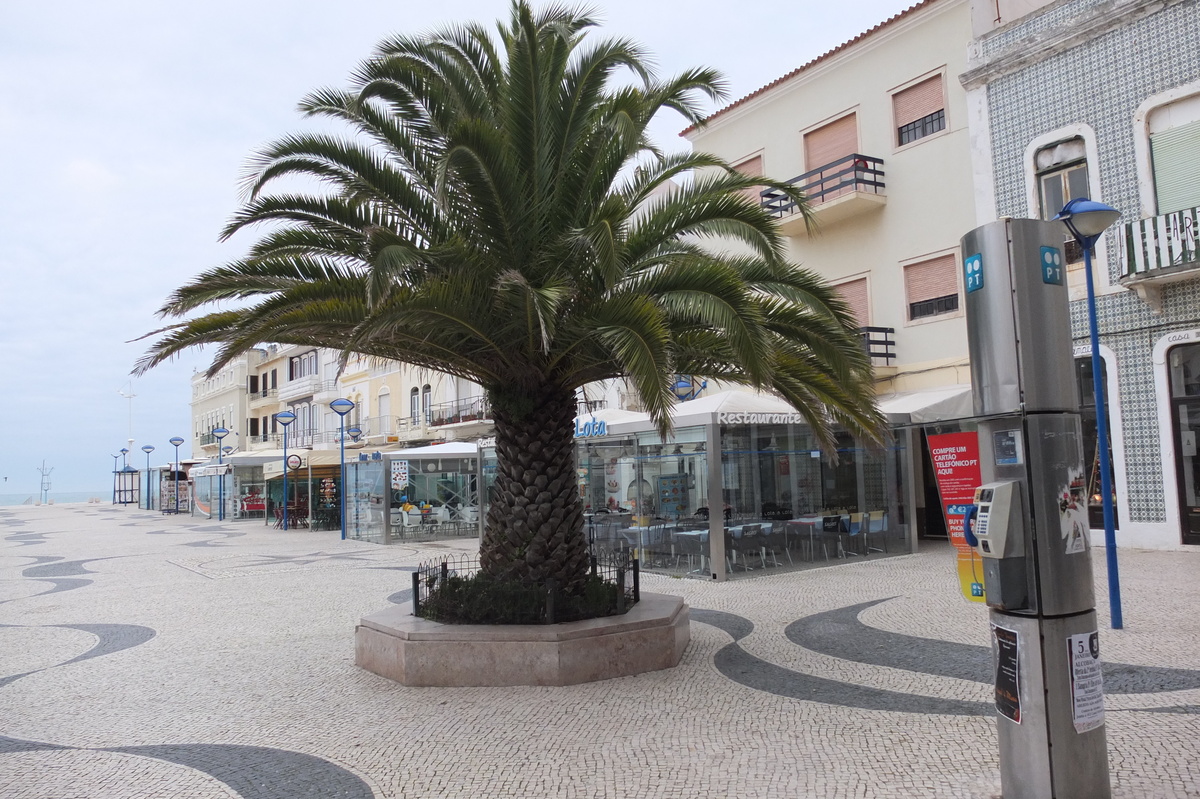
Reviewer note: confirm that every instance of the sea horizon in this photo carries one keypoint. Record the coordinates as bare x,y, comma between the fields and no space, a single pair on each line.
57,497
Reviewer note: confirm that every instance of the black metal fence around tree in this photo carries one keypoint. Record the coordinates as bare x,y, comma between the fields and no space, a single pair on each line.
613,587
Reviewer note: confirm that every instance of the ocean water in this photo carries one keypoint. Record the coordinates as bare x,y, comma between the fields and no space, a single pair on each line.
57,497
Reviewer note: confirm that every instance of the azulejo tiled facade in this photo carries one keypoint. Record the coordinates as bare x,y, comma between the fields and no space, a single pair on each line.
1097,71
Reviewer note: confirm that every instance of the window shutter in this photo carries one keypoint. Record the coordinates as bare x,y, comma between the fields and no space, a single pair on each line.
854,294
919,101
754,168
931,279
1176,155
836,140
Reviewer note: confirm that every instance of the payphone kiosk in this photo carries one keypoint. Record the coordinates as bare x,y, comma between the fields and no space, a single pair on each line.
1030,524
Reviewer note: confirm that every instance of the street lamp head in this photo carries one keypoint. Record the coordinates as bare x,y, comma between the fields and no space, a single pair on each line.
148,448
176,441
124,451
1086,219
341,406
227,450
285,417
219,433
355,433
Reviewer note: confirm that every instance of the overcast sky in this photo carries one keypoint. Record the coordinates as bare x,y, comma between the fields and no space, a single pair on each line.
124,127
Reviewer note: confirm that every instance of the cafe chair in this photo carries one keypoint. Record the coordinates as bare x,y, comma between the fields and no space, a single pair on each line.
801,533
693,547
876,525
733,548
832,528
775,541
856,534
752,541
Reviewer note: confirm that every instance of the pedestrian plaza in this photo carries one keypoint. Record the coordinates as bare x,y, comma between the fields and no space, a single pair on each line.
149,655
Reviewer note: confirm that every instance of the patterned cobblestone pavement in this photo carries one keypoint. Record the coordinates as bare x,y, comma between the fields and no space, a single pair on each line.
152,656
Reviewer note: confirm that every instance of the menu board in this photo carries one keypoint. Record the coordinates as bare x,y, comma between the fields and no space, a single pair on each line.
672,495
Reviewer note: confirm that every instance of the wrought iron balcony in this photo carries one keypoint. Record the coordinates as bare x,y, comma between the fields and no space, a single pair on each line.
472,409
1160,250
880,344
844,188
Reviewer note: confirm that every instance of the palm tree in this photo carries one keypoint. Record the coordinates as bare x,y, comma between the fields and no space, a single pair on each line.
499,214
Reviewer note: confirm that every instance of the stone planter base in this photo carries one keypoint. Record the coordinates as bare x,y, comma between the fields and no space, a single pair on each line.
395,644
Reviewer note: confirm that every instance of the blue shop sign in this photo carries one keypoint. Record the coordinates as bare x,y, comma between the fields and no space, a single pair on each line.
591,429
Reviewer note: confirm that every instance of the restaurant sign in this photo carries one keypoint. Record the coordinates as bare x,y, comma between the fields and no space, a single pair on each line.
759,418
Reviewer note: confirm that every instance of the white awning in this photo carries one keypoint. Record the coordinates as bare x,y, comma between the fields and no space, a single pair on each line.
211,470
256,457
928,405
451,449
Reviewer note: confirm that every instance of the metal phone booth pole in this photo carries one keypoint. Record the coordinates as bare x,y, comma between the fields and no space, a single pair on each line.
1030,522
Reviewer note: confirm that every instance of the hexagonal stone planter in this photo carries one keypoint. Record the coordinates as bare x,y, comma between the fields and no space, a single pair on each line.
413,651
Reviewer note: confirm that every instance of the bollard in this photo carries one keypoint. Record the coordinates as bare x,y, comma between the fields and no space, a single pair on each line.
416,592
637,592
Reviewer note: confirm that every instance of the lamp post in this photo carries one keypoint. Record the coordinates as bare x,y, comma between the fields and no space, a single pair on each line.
148,448
176,441
124,461
1086,220
219,434
341,407
114,499
285,418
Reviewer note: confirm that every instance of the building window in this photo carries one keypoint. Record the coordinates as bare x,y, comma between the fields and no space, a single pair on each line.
1062,175
931,287
1175,154
414,406
752,167
826,149
920,110
854,294
427,403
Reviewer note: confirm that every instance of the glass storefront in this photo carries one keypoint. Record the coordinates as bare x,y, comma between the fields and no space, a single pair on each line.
782,503
418,494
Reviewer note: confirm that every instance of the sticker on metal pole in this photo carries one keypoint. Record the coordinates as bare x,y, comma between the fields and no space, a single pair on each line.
1008,673
1087,681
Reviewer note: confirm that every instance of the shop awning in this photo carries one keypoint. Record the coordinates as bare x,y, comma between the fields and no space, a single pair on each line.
928,405
256,457
706,410
451,449
211,470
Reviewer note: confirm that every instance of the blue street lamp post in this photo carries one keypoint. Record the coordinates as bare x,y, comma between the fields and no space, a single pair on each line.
341,407
1086,221
148,448
219,434
176,441
285,418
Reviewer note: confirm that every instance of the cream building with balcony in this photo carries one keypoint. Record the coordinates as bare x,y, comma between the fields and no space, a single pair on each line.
876,133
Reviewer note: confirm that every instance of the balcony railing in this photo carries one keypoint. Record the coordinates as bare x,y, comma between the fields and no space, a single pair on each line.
1161,249
471,409
262,394
880,343
854,173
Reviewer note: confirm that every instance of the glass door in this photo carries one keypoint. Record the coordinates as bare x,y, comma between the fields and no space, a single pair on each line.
1187,467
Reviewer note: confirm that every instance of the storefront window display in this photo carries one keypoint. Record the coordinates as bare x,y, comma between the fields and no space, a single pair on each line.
775,501
415,494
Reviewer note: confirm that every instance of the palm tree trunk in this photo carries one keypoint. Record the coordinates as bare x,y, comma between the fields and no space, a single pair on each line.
534,527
